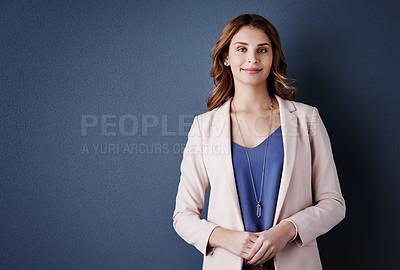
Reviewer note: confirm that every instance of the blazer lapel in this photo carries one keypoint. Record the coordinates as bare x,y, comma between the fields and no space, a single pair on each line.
289,136
223,123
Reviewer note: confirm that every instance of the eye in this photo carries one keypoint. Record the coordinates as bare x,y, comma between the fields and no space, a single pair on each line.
263,50
241,49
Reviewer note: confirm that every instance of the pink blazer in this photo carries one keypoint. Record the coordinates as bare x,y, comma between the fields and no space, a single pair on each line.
309,193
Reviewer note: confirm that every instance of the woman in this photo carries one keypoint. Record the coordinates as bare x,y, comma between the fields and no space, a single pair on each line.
267,157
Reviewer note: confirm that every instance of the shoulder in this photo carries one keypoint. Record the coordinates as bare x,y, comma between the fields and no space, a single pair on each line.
221,112
207,115
303,108
290,106
300,112
213,122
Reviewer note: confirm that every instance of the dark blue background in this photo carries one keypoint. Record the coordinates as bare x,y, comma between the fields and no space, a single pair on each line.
64,208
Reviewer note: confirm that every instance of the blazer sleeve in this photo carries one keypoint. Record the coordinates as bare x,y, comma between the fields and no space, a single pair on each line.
190,198
329,206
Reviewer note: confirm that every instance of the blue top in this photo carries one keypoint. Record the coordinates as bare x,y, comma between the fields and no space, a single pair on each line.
272,177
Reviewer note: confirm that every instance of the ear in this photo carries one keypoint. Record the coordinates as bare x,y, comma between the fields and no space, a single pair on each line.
226,58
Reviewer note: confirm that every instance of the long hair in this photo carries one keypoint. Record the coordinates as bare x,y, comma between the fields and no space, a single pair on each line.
277,83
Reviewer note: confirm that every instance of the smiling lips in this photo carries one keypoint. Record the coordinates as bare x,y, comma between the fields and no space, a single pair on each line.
251,70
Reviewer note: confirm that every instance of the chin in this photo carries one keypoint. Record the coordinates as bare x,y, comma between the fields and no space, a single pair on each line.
253,82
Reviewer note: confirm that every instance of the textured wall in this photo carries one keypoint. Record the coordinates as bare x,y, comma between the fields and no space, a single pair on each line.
91,95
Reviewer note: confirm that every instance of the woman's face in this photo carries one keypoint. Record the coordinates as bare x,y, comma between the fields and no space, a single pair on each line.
250,56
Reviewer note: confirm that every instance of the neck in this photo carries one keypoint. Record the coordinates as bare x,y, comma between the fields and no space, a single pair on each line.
251,98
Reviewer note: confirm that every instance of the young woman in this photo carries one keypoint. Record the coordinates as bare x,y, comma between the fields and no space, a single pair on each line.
266,156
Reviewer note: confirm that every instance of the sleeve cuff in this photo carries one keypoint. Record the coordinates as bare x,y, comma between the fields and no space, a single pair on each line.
294,224
210,250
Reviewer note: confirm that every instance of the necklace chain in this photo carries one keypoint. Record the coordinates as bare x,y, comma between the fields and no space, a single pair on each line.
258,206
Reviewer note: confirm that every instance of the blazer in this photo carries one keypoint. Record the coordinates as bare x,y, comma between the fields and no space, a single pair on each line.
309,194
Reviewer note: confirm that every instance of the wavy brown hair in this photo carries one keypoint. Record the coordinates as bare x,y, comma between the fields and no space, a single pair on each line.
277,83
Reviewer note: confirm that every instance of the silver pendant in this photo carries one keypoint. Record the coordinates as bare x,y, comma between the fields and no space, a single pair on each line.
259,210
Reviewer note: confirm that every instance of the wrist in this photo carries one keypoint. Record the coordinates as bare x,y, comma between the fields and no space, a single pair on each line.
289,229
216,237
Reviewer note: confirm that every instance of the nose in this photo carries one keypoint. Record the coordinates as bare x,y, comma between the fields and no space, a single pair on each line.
252,57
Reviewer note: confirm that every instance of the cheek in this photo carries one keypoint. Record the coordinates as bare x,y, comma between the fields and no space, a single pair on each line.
268,63
236,61
236,65
235,70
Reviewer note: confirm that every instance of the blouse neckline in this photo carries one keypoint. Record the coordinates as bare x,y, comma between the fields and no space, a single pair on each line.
260,142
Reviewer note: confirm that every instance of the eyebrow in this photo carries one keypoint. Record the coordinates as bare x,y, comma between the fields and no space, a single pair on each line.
244,43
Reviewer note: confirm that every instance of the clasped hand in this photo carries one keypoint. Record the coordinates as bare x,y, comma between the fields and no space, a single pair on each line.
267,245
257,247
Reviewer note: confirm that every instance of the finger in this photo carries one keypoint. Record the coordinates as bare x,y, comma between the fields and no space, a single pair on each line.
246,252
253,237
265,257
250,246
258,257
255,248
250,241
247,247
268,256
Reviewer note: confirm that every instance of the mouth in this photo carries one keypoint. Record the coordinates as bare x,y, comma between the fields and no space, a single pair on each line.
251,70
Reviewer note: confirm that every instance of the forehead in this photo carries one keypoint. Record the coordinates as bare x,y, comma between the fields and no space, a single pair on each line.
250,35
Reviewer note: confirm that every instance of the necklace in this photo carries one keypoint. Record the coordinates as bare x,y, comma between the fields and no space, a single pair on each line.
258,206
